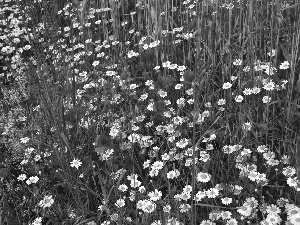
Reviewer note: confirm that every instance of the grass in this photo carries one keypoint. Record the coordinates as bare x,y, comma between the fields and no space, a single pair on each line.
150,112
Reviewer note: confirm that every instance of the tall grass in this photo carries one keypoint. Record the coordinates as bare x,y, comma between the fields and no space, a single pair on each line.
150,112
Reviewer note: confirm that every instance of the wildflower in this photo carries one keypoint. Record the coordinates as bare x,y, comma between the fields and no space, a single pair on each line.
178,86
200,195
76,163
156,222
282,202
72,215
212,193
295,219
209,147
285,159
32,180
110,73
114,217
226,215
203,177
146,164
232,222
173,174
289,171
245,210
95,63
207,222
269,86
229,6
47,201
205,113
284,65
273,209
266,99
270,70
157,68
155,196
149,206
221,102
239,98
247,91
247,126
273,218
233,78
166,64
292,182
181,68
261,177
237,62
158,165
257,66
227,85
184,208
134,182
269,155
162,93
185,196
173,66
22,177
24,161
226,200
271,53
214,215
37,158
146,46
150,107
149,83
133,86
142,189
237,190
37,221
123,187
143,97
167,208
262,149
255,90
182,143
246,69
272,162
165,157
291,209
167,102
131,54
120,203
252,175
114,132
189,91
24,140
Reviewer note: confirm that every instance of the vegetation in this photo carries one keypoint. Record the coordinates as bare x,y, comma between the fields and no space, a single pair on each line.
149,112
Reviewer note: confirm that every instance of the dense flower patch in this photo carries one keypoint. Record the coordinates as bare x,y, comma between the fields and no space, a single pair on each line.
149,112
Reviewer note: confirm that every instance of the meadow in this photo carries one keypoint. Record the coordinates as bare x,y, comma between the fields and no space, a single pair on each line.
149,112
